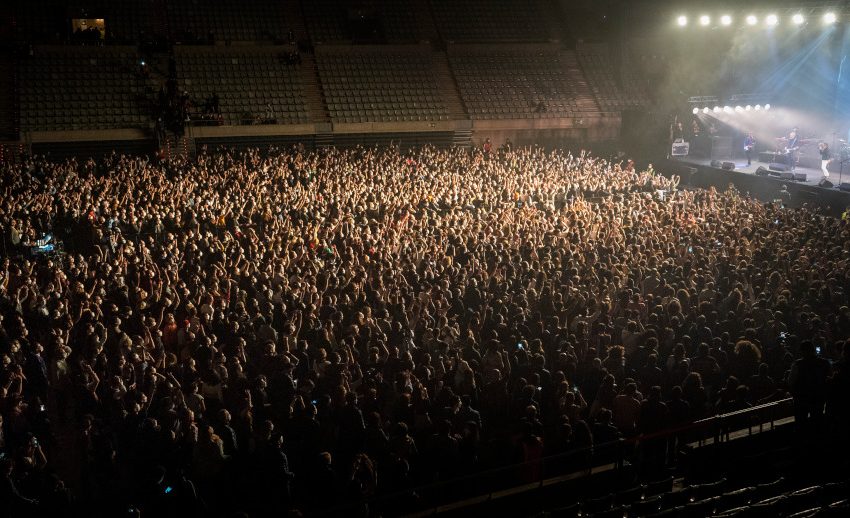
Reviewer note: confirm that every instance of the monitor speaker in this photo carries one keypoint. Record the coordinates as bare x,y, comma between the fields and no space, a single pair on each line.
787,175
761,171
800,177
844,186
825,184
729,166
778,167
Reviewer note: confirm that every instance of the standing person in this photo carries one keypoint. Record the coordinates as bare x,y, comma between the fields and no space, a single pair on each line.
792,147
749,145
808,382
825,158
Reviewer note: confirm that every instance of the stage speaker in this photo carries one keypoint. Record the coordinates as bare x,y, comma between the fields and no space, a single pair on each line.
778,167
716,163
729,166
845,186
826,184
761,171
800,177
787,175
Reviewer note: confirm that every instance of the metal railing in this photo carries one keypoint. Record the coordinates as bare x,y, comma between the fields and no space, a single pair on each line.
551,471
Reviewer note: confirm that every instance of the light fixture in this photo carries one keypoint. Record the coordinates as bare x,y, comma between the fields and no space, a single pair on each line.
758,107
726,20
706,109
798,19
752,20
829,18
682,21
748,107
771,19
766,106
717,109
704,20
739,109
695,111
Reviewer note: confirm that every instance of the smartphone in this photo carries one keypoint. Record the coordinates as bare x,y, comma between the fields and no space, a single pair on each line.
817,350
520,346
168,489
690,249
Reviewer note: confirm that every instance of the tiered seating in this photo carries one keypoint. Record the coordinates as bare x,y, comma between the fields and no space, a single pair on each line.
44,20
82,88
254,20
485,20
380,84
248,83
600,74
515,83
126,20
330,21
719,498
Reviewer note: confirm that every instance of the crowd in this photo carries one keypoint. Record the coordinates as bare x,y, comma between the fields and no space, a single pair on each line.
247,332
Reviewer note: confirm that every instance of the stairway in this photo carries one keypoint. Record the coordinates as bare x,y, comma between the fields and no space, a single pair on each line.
313,96
175,146
583,93
448,86
425,28
294,20
462,138
324,140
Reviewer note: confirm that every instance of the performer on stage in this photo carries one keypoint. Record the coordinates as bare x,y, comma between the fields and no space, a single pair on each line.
749,145
825,158
792,147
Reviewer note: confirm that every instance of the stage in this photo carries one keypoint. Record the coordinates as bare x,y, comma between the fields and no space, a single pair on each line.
813,176
698,172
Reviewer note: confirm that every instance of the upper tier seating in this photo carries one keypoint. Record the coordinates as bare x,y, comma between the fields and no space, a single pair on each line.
253,20
330,21
610,94
248,82
486,20
379,84
82,88
515,83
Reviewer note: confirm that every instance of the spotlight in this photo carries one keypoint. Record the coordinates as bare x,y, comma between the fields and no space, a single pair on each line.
717,109
748,107
695,111
766,106
727,109
682,21
752,20
704,20
758,107
739,109
706,109
726,20
798,19
829,18
771,19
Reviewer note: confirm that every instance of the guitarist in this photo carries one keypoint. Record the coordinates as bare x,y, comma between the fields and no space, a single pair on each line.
749,145
792,148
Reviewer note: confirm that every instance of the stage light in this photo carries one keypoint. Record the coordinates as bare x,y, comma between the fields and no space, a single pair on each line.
682,21
829,18
695,111
766,106
717,109
798,19
704,20
739,109
727,109
771,19
758,107
726,20
752,20
706,109
748,107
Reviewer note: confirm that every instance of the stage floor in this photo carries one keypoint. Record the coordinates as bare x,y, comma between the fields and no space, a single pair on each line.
813,176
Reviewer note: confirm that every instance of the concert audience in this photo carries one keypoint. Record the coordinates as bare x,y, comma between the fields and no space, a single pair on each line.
249,332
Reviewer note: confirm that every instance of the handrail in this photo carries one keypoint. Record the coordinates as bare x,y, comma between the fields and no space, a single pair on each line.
618,447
